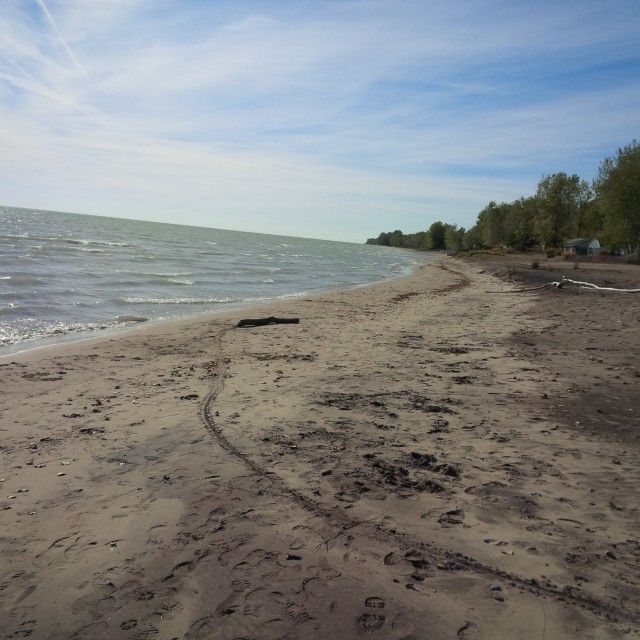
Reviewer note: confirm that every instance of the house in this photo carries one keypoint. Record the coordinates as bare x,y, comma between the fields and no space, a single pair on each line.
582,246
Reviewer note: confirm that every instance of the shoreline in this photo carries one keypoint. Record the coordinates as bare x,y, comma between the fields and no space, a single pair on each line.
78,336
412,455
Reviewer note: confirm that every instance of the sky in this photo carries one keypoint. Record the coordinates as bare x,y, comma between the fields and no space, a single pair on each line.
331,119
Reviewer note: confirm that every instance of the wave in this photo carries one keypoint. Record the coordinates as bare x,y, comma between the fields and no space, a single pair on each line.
39,330
14,236
125,319
22,281
86,242
189,301
170,274
204,301
28,236
282,296
10,309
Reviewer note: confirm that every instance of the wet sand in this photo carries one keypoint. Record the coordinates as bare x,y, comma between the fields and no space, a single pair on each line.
432,457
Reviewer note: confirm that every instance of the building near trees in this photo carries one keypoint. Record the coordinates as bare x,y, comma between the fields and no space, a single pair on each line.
582,246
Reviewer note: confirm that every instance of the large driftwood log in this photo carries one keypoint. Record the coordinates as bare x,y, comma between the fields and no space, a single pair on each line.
565,282
258,322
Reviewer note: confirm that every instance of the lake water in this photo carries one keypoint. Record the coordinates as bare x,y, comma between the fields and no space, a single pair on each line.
64,274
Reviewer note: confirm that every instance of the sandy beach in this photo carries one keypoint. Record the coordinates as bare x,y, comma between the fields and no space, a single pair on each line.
435,457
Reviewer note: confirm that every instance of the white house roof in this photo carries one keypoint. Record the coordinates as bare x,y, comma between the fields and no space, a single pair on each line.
576,242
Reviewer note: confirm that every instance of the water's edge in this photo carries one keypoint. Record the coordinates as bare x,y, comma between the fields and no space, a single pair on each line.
129,327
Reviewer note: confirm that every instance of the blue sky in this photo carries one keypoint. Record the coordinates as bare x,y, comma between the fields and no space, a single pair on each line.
333,119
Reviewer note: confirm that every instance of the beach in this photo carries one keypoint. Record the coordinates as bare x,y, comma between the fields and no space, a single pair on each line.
435,456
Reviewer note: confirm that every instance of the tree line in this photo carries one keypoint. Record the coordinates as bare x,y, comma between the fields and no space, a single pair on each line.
563,207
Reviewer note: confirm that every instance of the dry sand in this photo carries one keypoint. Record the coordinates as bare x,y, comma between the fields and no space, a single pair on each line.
416,459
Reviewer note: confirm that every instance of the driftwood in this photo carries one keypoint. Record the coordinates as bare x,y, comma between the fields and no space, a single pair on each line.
259,322
565,282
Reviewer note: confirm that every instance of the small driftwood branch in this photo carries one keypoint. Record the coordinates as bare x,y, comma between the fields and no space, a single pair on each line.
259,322
565,282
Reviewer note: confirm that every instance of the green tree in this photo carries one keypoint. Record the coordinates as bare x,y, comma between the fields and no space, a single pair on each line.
382,239
453,237
435,236
492,224
593,222
520,223
472,238
396,239
562,201
417,241
617,187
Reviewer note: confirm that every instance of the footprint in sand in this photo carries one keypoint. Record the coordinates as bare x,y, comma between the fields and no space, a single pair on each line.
374,619
97,604
203,628
392,559
168,609
22,615
292,611
180,570
239,585
370,622
147,633
452,518
374,602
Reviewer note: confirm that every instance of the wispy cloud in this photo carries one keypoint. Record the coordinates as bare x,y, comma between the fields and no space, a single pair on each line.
61,38
332,119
